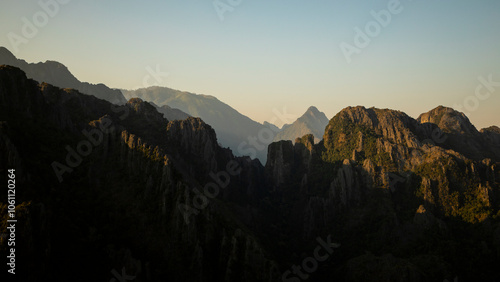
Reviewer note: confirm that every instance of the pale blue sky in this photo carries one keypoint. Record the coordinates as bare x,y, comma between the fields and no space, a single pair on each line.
274,54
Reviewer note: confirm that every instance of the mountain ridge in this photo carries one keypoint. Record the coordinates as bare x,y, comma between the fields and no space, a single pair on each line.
233,128
160,198
58,74
311,122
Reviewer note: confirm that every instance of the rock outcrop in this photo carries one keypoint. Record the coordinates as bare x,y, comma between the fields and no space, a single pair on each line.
401,178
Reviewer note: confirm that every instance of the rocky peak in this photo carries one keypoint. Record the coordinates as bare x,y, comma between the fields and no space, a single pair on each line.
492,130
304,148
6,57
145,109
135,101
312,110
375,118
10,71
359,115
492,137
307,141
311,122
391,124
492,134
449,120
197,141
460,135
280,159
56,65
15,92
313,113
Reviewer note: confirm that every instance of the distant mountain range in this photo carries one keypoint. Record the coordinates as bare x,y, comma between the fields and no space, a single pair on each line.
311,122
234,130
171,113
58,75
106,190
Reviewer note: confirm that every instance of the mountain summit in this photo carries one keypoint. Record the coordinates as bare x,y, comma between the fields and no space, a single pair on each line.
311,122
6,56
312,110
449,120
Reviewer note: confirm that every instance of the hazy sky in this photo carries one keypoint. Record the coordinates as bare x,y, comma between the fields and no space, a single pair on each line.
264,55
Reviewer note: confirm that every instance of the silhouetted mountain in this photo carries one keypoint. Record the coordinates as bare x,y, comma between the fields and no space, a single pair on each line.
103,187
106,190
233,129
311,122
171,113
271,126
57,74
